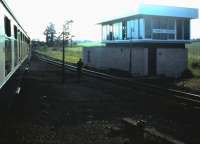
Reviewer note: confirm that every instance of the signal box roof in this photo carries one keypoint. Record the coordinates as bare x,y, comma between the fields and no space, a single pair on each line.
158,10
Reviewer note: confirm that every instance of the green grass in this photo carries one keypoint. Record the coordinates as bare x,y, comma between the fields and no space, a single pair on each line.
75,53
90,44
72,54
194,51
194,57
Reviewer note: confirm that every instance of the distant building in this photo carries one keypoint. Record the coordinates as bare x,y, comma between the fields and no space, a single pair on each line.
149,42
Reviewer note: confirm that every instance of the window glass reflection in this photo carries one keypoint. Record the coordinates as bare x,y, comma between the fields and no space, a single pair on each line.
163,28
148,28
179,29
152,27
141,28
117,31
186,29
132,29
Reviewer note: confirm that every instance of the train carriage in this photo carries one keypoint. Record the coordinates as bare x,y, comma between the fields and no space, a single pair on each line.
14,52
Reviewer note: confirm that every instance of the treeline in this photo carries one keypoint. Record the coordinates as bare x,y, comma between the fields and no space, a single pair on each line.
196,40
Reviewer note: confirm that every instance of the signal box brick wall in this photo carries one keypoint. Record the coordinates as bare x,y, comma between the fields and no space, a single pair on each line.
170,62
139,61
117,58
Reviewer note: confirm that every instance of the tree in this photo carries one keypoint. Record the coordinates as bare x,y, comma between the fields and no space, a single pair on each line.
50,34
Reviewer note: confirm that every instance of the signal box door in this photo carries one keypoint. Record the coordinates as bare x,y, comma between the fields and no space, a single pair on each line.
152,61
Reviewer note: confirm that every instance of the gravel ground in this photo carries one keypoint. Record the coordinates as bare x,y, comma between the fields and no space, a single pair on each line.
48,112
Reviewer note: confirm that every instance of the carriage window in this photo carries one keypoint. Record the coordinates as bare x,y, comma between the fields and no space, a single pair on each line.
15,46
8,56
22,50
8,49
19,43
15,32
88,56
7,26
21,36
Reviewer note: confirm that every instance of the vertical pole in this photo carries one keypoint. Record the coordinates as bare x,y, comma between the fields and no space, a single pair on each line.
63,66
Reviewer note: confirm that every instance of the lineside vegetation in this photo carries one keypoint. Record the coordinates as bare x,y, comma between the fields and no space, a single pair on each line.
74,53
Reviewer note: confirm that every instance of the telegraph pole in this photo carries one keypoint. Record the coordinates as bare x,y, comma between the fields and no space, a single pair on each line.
63,64
66,34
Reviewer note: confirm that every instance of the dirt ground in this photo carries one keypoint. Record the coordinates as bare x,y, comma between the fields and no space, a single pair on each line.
49,112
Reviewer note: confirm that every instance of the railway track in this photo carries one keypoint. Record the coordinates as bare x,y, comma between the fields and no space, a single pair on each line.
185,98
189,100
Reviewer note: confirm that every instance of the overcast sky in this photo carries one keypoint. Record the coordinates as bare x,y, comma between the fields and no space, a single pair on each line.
34,15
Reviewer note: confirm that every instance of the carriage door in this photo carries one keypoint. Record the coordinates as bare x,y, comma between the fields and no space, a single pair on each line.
8,48
152,61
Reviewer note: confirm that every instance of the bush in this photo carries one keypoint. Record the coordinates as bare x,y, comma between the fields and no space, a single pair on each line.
195,65
187,74
55,48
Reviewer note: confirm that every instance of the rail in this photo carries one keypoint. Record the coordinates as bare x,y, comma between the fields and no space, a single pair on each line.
187,97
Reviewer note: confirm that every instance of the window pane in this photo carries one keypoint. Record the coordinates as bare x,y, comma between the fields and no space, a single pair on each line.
117,31
171,36
163,23
148,29
141,30
107,32
88,56
7,26
8,56
19,43
156,35
16,52
15,32
171,24
179,29
15,46
186,29
104,32
124,34
163,36
163,28
132,29
156,23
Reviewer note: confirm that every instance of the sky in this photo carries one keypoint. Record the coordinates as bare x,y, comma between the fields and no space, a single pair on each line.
35,15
